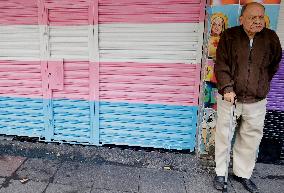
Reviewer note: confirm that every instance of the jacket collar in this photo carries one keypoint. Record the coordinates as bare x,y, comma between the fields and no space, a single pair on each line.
244,32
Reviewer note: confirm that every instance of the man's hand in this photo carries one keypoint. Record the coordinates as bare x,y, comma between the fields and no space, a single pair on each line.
230,97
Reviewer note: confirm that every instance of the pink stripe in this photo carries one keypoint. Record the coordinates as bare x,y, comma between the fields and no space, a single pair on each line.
76,81
85,12
18,12
156,83
146,2
150,102
52,12
20,79
149,11
70,12
159,83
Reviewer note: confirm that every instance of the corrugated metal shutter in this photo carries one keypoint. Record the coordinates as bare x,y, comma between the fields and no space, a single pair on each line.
149,72
71,39
20,70
138,82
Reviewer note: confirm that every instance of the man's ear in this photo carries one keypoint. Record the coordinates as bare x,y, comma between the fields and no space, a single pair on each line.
241,20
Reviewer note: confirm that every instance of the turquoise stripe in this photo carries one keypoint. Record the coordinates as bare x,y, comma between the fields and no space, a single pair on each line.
148,125
96,123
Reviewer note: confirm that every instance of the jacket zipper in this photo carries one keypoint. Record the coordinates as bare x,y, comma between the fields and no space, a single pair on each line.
249,65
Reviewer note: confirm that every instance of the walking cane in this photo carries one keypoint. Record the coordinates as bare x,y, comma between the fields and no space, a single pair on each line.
230,136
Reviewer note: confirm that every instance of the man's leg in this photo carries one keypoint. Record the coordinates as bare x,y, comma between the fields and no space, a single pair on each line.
248,138
222,132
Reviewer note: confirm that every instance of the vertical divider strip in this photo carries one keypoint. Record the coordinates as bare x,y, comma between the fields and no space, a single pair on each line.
94,73
44,56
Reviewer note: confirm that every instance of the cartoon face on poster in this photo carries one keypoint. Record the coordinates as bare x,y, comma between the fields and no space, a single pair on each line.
221,17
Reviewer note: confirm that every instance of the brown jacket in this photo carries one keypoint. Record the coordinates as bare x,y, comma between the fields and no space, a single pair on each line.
246,71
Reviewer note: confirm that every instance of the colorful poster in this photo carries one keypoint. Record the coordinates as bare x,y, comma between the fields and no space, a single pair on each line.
242,2
222,14
223,2
221,18
272,13
208,131
209,74
210,94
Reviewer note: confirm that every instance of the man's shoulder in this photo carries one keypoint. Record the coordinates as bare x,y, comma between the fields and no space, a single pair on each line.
233,31
269,32
270,35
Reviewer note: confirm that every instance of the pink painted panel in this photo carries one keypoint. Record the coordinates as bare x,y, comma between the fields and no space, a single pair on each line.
20,79
148,11
156,83
76,81
70,12
18,12
84,12
52,12
55,75
159,83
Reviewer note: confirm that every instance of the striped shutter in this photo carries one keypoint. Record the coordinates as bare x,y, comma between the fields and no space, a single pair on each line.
109,71
150,54
70,50
21,103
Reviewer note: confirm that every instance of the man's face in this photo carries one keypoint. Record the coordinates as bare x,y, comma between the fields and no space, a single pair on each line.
253,19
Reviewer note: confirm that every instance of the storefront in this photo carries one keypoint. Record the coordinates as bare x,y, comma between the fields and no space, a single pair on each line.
123,72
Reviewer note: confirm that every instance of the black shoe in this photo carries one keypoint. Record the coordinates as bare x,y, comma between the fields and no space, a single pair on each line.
219,182
247,183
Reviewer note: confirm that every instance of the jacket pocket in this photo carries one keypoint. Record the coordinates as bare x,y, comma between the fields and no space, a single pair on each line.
263,83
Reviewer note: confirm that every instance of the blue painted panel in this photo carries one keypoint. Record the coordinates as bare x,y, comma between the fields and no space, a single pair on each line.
75,121
72,121
148,125
21,116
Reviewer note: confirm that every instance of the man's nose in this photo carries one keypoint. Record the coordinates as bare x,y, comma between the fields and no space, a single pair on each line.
257,20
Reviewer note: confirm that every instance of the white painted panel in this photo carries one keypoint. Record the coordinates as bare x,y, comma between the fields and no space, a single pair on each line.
167,42
69,42
19,42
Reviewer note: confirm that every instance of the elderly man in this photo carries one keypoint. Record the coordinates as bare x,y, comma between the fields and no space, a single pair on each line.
247,58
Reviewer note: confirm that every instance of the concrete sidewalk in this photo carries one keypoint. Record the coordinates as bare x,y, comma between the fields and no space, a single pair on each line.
114,171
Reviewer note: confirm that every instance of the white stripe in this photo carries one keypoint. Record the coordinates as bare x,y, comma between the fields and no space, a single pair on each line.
20,41
151,42
69,42
169,43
